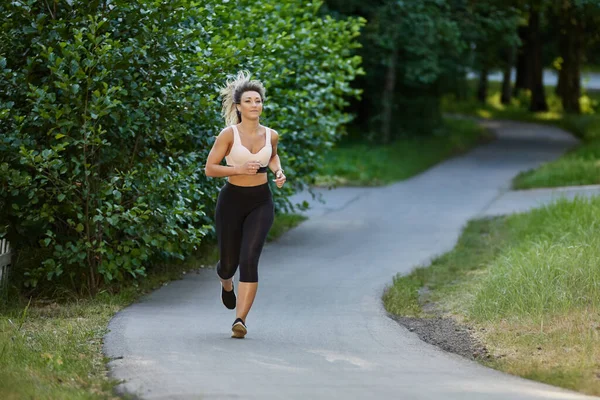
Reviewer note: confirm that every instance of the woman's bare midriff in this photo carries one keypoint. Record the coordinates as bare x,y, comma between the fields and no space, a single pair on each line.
248,180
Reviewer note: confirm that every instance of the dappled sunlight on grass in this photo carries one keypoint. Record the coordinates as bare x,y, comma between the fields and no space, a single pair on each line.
566,171
588,105
548,116
518,107
484,113
495,101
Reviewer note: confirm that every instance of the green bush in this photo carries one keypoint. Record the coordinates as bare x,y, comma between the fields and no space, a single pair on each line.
110,109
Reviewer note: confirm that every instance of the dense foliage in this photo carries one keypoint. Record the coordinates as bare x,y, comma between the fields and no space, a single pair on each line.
109,109
417,51
410,50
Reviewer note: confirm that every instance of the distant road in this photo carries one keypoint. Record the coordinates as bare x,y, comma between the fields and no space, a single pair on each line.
589,80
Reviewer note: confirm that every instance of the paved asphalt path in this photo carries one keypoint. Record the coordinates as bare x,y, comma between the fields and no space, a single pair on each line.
318,329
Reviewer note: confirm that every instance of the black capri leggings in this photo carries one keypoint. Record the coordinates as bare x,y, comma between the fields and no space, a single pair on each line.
243,218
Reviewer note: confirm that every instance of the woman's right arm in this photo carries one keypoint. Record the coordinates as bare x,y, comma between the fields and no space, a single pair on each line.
213,167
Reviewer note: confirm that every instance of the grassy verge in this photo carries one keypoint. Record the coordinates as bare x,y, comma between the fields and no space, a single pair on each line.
282,224
529,285
361,164
579,167
53,350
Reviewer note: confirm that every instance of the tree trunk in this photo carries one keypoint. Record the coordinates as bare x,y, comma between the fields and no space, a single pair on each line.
523,80
506,76
482,90
388,97
538,96
571,50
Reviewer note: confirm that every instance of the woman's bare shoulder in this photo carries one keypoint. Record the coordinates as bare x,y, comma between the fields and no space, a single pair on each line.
274,134
226,133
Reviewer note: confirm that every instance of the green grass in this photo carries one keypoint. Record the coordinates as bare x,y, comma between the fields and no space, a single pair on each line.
530,281
282,224
550,268
53,349
361,164
579,167
474,249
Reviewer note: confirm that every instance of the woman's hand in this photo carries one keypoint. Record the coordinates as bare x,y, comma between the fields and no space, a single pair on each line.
249,168
279,178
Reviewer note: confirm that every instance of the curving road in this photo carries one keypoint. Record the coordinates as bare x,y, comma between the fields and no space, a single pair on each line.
318,329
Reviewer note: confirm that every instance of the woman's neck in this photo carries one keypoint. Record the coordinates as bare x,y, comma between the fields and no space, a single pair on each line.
250,127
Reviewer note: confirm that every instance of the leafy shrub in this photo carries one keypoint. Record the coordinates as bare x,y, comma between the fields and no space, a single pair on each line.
111,107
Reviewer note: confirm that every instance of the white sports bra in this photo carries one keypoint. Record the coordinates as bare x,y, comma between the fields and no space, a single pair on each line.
239,155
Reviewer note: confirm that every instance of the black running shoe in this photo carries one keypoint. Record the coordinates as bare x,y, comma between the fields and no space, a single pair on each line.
228,298
238,329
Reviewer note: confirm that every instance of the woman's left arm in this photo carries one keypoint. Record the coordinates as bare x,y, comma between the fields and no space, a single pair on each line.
275,163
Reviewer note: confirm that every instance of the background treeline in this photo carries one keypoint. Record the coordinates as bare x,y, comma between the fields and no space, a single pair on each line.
109,109
415,52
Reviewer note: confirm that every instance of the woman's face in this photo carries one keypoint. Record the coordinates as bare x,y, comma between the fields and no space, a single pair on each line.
250,105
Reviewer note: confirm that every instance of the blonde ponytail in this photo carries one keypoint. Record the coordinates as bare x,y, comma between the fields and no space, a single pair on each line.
232,93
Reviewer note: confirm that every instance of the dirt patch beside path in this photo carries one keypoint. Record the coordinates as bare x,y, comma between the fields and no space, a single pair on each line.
446,334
